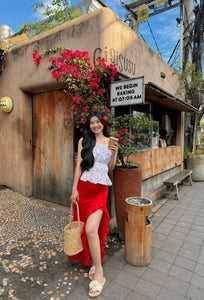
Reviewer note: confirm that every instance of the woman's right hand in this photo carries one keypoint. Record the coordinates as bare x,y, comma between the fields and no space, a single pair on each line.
74,196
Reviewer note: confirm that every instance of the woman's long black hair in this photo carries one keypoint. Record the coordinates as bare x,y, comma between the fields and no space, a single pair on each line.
89,140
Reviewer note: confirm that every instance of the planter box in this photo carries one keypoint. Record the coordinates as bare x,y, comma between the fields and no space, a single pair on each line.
196,163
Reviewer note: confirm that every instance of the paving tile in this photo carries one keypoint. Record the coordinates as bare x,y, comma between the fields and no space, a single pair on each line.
176,285
195,293
169,220
196,233
176,212
136,296
198,228
115,291
199,222
191,246
166,256
138,271
193,255
147,288
157,219
126,279
199,269
174,241
154,276
198,281
159,236
201,258
194,240
156,243
168,247
166,294
162,230
160,265
115,263
180,273
179,235
81,292
185,263
120,254
184,224
179,228
187,219
109,272
154,252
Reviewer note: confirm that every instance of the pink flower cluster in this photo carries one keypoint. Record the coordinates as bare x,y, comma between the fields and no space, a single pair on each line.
86,83
36,57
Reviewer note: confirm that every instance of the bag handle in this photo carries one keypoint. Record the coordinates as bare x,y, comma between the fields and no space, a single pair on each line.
71,213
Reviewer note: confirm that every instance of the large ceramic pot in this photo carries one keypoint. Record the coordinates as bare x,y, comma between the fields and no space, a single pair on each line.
196,163
127,183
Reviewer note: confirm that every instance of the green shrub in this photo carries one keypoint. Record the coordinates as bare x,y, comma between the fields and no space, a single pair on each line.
198,152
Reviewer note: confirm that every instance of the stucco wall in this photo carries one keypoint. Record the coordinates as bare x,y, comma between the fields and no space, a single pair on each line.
101,33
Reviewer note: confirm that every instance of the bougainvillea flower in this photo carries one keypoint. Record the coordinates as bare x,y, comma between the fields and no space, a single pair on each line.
105,118
36,57
101,91
117,136
75,99
123,131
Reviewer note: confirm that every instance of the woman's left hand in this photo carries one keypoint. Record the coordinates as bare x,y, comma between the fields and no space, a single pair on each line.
114,148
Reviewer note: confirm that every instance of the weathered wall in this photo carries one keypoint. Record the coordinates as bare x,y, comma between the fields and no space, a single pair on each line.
101,33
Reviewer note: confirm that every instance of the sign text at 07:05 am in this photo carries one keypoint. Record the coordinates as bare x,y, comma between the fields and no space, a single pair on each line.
127,92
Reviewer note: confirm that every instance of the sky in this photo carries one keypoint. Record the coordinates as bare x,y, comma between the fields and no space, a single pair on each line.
164,27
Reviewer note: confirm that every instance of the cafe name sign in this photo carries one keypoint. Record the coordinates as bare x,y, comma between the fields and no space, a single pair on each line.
128,92
6,104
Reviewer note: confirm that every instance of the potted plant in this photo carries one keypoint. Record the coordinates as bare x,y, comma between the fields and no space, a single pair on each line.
127,175
195,159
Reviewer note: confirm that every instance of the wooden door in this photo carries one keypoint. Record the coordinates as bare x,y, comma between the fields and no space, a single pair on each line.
52,147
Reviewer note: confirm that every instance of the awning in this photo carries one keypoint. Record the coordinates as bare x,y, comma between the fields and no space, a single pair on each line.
163,98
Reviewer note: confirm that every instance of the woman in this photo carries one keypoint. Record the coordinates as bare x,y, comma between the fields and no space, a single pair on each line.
90,189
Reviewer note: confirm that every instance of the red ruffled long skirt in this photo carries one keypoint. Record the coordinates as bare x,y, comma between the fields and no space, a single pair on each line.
91,197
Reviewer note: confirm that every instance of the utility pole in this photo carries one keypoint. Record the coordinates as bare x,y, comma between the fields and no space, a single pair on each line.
187,34
198,38
181,38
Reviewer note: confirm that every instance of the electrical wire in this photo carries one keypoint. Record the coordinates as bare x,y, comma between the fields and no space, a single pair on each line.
142,37
153,36
162,24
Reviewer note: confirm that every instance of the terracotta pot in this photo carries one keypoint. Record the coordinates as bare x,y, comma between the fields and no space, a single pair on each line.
196,163
127,183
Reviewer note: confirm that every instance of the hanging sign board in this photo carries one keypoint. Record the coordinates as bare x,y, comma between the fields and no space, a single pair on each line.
143,14
128,92
160,6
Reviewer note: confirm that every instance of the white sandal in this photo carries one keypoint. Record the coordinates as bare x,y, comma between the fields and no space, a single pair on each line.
92,272
96,288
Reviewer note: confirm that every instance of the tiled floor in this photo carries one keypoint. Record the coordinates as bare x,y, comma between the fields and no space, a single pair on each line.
176,270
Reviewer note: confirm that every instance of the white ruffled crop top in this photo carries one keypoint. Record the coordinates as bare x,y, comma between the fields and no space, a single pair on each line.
99,172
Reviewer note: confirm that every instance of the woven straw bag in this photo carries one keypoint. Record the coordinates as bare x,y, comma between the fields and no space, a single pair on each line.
72,234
